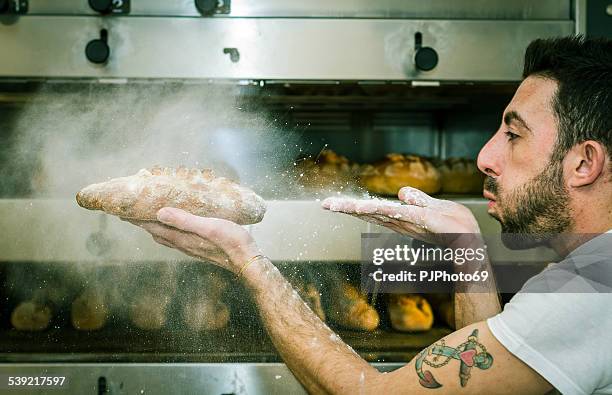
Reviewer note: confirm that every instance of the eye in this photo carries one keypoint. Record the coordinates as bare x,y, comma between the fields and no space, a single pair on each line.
511,136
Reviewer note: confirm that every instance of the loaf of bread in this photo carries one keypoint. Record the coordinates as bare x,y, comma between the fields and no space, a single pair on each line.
202,313
149,310
202,308
89,310
152,289
460,175
410,313
396,171
31,316
43,297
328,172
350,309
197,191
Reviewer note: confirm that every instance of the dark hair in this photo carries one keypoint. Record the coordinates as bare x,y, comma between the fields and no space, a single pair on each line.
582,67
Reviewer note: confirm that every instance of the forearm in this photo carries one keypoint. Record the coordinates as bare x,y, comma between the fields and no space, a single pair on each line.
313,352
475,301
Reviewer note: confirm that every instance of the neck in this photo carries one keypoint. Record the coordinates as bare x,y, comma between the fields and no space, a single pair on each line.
589,220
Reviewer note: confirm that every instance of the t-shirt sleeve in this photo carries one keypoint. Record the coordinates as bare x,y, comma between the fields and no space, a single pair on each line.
565,337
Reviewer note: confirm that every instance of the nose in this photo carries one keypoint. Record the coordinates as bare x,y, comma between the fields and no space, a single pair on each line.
490,158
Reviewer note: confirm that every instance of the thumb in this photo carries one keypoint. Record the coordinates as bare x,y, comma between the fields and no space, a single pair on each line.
414,197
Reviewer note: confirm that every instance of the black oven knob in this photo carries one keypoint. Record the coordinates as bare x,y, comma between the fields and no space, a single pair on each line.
207,7
97,51
14,7
426,58
101,6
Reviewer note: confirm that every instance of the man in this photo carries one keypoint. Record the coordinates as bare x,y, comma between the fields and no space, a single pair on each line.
549,173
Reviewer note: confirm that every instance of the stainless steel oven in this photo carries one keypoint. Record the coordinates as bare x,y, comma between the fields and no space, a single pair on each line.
92,89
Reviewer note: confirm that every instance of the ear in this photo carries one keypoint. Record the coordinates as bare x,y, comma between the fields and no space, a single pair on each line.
585,163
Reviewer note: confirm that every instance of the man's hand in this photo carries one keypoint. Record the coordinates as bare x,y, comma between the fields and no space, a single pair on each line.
421,216
221,242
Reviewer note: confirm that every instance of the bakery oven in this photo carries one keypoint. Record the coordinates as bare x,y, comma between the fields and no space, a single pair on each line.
298,101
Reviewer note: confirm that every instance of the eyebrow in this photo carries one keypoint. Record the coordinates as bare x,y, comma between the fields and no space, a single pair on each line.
514,117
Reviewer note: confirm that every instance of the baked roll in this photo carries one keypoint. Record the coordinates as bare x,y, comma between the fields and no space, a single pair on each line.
197,191
31,316
397,171
460,175
350,309
36,310
149,299
89,310
410,313
149,310
328,173
203,308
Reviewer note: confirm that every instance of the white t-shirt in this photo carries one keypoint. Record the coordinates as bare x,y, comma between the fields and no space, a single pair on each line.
560,323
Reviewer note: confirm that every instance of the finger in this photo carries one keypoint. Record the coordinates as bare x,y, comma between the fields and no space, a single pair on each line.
163,231
339,204
404,213
204,226
188,243
414,197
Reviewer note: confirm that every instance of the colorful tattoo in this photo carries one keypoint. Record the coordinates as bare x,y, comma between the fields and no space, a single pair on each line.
470,354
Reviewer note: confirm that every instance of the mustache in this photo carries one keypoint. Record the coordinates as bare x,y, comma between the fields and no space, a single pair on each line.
490,185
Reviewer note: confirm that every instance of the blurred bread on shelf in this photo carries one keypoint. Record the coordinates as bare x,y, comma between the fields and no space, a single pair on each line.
202,308
149,298
349,308
460,175
40,300
388,176
410,313
148,310
328,172
90,310
31,316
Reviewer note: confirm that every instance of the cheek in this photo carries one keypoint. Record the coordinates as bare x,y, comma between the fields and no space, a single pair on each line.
525,160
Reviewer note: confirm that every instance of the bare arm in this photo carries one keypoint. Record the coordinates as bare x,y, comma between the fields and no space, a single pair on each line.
466,361
325,364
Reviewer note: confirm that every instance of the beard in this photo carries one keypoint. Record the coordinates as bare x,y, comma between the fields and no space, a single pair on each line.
534,213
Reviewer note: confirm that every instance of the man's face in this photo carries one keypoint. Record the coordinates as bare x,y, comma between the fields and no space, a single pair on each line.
526,191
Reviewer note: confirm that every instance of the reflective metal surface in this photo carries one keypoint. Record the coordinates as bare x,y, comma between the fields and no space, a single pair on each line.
456,9
149,379
269,49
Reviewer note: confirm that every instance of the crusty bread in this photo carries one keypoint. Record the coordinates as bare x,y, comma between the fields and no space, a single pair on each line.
89,310
31,316
197,191
460,175
397,171
329,172
202,312
149,310
350,309
203,308
410,313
